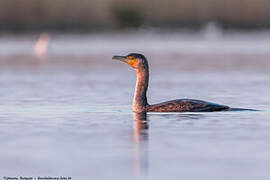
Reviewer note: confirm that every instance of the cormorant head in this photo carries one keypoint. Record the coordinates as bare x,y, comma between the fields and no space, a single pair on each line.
137,61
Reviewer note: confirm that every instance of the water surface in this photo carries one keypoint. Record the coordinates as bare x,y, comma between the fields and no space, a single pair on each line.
70,114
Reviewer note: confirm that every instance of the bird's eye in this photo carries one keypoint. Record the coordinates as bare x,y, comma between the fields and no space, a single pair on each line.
130,57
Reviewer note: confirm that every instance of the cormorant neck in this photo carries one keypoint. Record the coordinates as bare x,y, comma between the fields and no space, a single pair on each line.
140,100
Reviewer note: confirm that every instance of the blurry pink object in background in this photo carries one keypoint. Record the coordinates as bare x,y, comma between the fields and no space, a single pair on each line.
41,46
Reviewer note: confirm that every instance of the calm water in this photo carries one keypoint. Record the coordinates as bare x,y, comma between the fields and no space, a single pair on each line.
70,114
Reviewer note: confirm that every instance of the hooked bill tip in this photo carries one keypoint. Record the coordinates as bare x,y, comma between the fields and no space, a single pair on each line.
119,57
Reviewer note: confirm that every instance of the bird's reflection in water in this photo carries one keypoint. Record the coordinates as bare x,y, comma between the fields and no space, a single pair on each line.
141,145
181,117
141,136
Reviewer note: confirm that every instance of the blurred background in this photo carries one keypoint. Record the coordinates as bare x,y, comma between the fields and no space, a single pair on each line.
23,15
65,28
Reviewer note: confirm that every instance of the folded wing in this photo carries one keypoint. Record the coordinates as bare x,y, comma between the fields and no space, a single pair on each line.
186,105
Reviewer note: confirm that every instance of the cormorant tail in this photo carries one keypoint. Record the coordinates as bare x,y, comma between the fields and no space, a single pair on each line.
240,109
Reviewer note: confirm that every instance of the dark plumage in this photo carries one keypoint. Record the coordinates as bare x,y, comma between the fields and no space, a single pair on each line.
186,105
140,104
